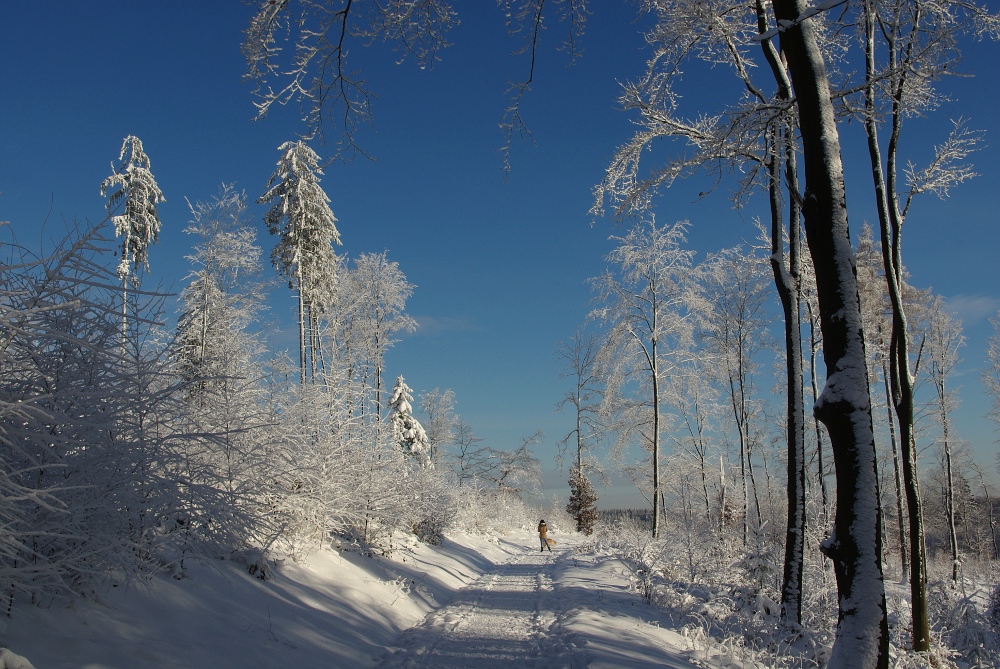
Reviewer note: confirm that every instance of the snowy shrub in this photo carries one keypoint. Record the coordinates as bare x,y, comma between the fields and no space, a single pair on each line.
962,622
642,555
77,491
483,509
434,504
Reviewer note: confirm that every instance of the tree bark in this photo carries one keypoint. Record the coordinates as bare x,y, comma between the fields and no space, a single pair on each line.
844,405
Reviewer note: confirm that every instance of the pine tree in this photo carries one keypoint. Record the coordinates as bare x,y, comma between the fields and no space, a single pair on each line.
407,431
301,216
132,186
582,501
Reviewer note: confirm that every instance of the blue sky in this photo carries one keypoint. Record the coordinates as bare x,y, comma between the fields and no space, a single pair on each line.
500,267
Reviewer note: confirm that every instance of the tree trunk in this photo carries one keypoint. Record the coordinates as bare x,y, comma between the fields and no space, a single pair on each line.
844,405
890,225
950,483
903,555
786,280
656,444
302,327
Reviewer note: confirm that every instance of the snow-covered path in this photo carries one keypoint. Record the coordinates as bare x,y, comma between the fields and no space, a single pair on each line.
532,612
472,602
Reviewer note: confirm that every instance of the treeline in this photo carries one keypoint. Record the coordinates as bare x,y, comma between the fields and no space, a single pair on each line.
129,447
679,378
681,360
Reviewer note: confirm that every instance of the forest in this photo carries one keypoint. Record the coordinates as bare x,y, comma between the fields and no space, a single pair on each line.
785,407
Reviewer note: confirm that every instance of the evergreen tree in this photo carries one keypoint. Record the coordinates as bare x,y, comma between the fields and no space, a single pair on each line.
407,431
132,185
582,501
301,216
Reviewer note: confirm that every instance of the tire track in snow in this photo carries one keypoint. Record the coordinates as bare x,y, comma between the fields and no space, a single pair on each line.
506,618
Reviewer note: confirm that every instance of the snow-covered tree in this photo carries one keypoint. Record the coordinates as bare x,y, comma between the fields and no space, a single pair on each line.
941,345
219,358
225,294
694,397
908,46
87,424
316,72
735,136
132,187
441,422
735,331
300,215
646,306
369,310
407,431
132,190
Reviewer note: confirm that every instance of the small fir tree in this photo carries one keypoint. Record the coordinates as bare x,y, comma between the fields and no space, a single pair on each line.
582,501
407,430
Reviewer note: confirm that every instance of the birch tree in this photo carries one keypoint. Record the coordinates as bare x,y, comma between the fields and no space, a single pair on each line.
646,306
300,215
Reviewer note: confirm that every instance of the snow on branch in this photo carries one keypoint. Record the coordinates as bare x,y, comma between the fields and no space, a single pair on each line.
810,12
948,168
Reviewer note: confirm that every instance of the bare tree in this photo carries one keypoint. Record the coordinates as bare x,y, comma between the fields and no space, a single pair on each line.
944,339
580,356
735,330
441,420
647,311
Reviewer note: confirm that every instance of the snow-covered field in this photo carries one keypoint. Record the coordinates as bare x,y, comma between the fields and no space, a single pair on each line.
473,602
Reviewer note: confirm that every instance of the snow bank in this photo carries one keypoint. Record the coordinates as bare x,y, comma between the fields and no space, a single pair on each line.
334,609
9,660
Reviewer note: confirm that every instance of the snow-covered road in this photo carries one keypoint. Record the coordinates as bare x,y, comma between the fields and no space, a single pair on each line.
533,611
473,602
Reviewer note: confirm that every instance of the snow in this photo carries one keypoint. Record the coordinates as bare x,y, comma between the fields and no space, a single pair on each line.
473,601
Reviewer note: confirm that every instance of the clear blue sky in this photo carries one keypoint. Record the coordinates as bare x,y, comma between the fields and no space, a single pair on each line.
500,268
